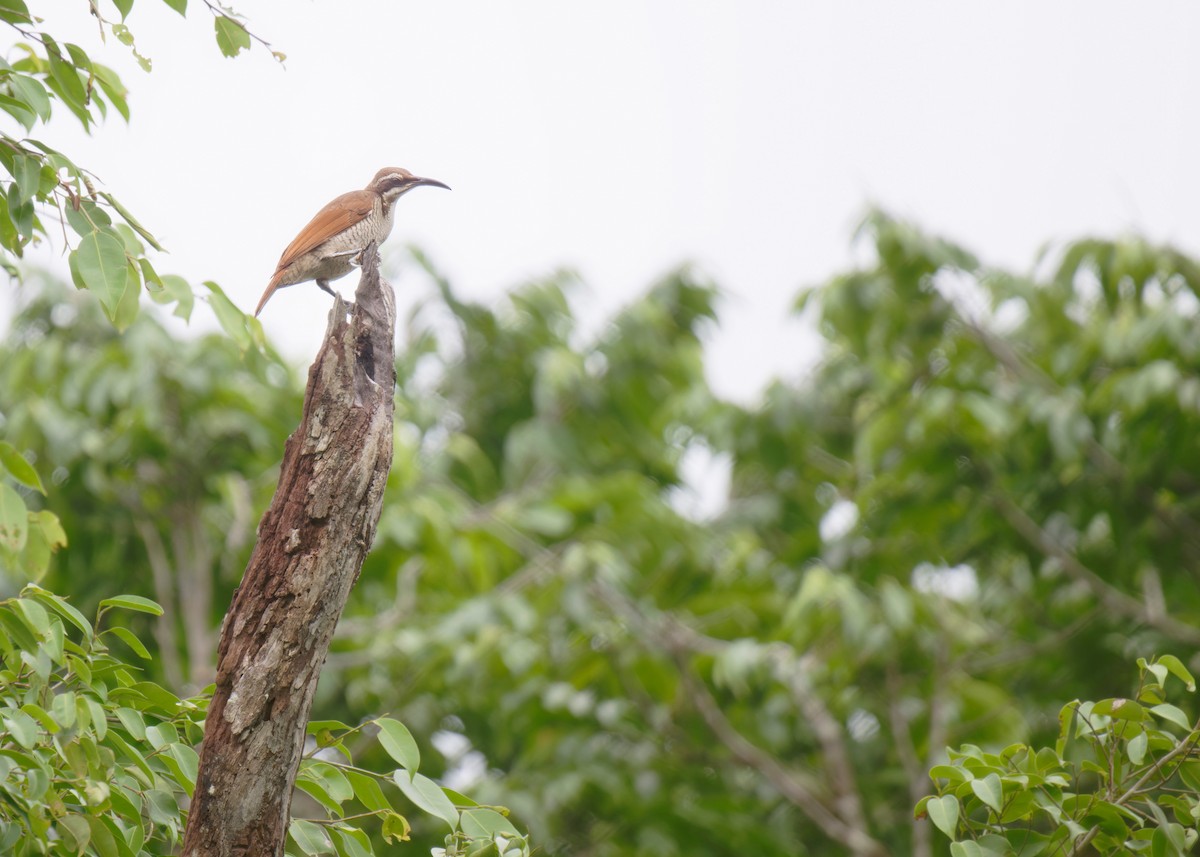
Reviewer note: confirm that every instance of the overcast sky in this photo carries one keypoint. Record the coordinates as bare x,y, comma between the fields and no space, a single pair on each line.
622,138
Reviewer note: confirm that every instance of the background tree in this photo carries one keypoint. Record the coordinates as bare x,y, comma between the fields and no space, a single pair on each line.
163,451
982,501
979,498
95,760
974,509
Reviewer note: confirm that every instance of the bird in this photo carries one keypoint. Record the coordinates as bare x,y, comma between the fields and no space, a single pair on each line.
331,244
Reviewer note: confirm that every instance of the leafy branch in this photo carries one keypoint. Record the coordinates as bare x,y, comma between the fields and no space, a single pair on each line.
1106,787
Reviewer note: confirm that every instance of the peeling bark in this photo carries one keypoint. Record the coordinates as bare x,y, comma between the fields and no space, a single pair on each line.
311,546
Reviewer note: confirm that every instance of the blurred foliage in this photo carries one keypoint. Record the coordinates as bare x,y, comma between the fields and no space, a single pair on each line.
158,451
980,504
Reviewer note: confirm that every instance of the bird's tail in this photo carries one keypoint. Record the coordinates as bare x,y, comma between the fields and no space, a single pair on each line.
272,287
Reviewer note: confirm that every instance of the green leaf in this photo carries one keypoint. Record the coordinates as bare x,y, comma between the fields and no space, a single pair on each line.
14,519
42,716
459,799
87,218
15,12
179,6
130,639
331,779
399,743
395,828
953,773
22,727
351,842
131,220
176,289
55,535
154,284
164,809
161,735
64,80
1120,709
98,263
317,791
130,753
27,172
133,245
1178,670
19,110
989,790
152,696
1171,714
114,89
123,6
104,843
943,812
315,726
75,831
132,602
44,536
232,319
484,823
60,605
31,92
54,641
133,722
188,761
78,57
309,837
232,37
99,716
427,795
127,309
18,468
966,849
35,616
63,709
368,792
1136,748
21,213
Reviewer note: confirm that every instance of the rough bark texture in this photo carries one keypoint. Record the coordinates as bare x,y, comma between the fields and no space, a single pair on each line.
311,546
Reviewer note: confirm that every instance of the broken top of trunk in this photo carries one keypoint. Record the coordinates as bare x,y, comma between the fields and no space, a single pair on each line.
311,545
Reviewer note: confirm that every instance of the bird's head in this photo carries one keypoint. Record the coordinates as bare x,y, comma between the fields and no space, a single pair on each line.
392,182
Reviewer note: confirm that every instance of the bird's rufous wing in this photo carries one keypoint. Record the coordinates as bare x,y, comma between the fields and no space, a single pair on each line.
340,214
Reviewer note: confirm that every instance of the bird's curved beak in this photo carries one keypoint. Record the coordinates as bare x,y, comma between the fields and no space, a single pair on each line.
417,182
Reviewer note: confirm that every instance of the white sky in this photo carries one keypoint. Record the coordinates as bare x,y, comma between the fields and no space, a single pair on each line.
622,138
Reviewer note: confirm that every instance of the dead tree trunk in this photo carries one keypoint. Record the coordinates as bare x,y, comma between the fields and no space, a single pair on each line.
311,545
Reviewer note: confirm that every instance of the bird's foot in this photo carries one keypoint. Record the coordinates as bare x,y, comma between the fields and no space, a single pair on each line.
323,285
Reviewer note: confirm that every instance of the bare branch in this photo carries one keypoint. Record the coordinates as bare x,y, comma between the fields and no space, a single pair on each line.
1112,598
796,792
1183,524
677,639
164,594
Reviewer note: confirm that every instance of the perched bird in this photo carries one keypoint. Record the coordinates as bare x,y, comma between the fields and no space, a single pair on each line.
329,246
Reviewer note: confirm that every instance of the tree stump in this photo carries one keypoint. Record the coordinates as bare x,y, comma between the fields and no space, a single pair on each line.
311,546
